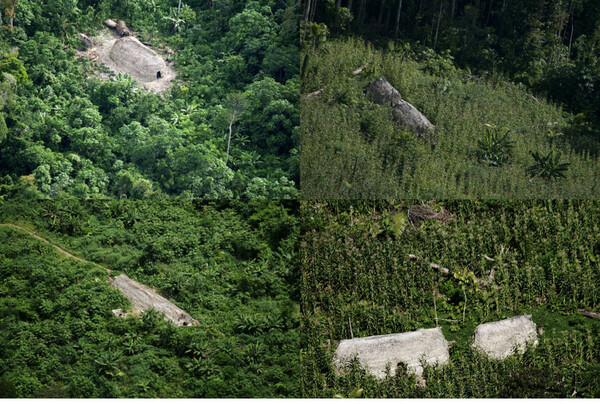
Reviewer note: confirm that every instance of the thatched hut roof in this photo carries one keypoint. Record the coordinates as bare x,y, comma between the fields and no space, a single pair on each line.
135,58
144,298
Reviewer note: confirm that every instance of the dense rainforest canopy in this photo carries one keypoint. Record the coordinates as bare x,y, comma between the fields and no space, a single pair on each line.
63,131
232,266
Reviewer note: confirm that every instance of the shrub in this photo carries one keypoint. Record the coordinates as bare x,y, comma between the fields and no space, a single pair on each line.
548,167
495,148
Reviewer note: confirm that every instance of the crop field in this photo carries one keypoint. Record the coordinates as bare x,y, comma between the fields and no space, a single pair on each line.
232,266
493,138
366,270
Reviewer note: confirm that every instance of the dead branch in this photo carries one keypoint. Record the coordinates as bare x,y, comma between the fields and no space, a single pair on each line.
590,314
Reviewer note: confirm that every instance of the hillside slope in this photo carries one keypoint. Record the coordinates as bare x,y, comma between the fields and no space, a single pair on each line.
232,266
351,148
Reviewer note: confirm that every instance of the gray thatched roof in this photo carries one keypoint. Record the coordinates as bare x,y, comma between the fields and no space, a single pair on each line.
144,298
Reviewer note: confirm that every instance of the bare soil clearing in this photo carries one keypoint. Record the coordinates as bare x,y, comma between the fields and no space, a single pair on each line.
127,55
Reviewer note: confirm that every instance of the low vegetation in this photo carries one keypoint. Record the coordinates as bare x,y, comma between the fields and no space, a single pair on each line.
486,131
366,271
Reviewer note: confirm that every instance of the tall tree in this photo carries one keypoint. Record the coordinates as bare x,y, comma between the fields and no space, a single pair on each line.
236,104
398,16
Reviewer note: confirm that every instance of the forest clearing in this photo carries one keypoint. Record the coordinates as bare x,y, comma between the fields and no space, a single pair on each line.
450,99
90,113
129,57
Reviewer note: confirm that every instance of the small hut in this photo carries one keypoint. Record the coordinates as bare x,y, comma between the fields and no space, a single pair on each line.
144,298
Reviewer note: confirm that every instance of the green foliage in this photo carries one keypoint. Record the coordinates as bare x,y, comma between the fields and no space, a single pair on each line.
314,34
548,167
90,138
505,258
495,148
12,65
231,265
352,149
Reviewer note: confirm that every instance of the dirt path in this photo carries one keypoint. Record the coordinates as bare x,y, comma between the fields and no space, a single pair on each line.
60,250
141,296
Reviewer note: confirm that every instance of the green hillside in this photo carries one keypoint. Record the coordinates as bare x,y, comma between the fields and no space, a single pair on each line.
71,127
352,149
233,267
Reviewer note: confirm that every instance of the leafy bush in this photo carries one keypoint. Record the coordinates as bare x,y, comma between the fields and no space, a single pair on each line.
548,167
495,148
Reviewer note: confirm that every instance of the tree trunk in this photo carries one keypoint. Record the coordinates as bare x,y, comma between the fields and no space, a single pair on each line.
571,38
308,4
381,9
314,10
398,16
437,29
229,140
432,25
338,3
452,11
361,13
487,20
387,21
349,7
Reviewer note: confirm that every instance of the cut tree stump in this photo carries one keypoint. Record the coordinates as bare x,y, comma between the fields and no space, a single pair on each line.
144,298
122,28
383,93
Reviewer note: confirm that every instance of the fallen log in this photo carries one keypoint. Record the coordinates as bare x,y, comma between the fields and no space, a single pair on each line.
122,28
590,314
446,271
110,23
383,93
314,94
144,298
87,42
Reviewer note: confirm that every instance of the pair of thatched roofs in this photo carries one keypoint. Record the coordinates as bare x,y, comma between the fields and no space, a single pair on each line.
120,26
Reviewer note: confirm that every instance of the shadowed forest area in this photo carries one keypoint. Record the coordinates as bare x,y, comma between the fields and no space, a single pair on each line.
511,87
228,127
231,266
